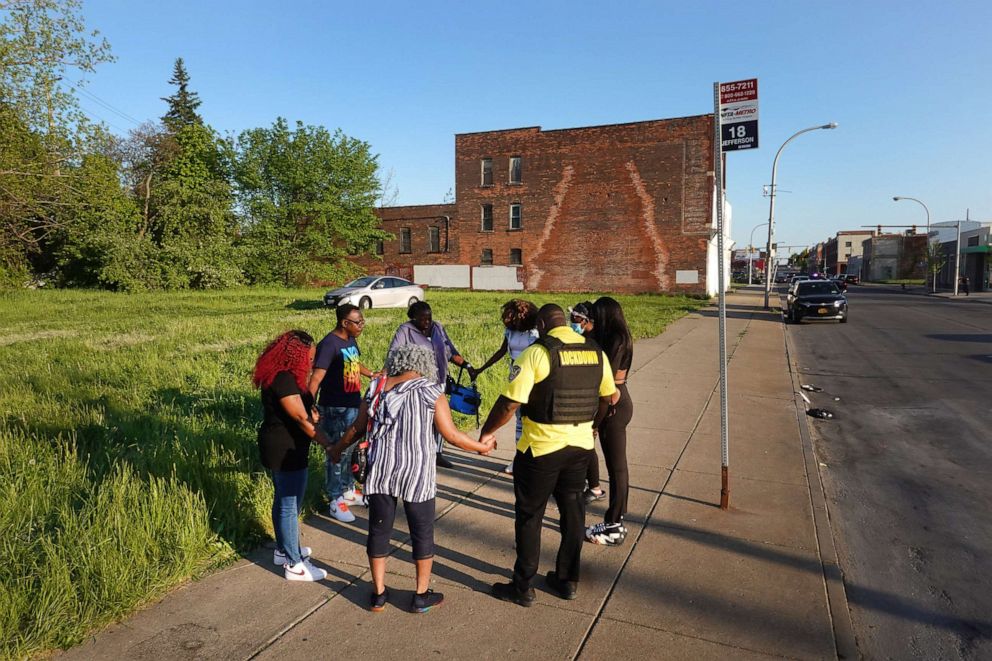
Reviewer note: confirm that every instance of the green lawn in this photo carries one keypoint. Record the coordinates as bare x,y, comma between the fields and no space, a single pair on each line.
128,461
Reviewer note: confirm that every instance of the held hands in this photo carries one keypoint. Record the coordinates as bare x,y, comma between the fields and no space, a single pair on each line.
333,451
489,443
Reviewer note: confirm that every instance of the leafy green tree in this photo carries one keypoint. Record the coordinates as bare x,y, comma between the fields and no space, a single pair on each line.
100,246
936,260
42,129
307,196
182,104
41,43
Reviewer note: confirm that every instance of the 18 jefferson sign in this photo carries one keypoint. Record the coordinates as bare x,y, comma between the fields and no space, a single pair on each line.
739,115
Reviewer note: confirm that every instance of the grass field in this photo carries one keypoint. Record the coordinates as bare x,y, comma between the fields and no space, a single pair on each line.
128,461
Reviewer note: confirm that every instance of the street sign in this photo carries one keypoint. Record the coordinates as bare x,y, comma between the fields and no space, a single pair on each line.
739,115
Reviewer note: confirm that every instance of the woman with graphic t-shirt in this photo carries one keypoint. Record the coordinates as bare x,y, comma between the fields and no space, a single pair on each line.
519,321
289,425
337,375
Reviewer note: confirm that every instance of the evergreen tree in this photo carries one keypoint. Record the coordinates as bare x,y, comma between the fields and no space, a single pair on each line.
182,104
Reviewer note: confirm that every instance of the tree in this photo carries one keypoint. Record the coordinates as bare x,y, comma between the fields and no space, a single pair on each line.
936,260
182,104
41,41
42,129
307,196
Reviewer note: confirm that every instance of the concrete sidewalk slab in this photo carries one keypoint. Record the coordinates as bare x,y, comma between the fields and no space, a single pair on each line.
690,581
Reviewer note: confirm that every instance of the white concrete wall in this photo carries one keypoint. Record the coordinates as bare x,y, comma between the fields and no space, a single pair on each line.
712,274
446,275
495,277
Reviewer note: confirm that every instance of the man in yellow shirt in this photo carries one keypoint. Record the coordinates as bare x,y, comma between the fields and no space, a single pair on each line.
564,384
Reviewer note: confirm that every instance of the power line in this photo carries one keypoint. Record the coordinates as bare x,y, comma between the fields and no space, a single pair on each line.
106,104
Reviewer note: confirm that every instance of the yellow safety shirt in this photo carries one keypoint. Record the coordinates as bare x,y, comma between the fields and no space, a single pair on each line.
533,366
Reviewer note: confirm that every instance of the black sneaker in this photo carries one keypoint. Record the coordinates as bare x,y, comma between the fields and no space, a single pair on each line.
564,589
443,462
607,534
508,592
378,601
426,601
591,496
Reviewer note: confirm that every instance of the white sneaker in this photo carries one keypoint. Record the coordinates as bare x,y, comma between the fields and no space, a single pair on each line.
279,558
304,571
509,468
355,497
340,511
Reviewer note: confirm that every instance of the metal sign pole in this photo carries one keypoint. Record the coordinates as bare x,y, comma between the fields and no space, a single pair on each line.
721,289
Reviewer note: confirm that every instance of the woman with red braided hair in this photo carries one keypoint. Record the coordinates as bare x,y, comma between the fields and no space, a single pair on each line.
289,425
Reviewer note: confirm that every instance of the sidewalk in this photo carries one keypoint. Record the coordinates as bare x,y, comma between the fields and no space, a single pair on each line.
691,581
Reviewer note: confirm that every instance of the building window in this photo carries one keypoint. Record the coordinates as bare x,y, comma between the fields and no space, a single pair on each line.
405,240
487,257
516,257
515,216
433,239
847,244
487,172
487,218
515,170
380,248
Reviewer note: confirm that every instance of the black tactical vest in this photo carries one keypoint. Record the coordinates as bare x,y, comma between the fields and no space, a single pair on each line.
570,393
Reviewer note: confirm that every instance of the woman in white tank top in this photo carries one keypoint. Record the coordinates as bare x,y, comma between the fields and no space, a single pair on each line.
519,320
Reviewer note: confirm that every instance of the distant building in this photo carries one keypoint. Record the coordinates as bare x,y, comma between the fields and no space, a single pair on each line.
975,248
839,250
894,257
623,207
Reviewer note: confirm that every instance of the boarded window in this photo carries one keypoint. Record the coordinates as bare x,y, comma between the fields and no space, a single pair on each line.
487,257
515,216
487,218
405,240
487,172
515,169
516,257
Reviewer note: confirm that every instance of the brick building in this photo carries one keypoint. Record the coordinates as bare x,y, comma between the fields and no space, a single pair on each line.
839,249
623,207
894,257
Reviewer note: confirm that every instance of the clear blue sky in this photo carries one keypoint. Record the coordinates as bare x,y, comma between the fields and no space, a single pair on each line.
909,84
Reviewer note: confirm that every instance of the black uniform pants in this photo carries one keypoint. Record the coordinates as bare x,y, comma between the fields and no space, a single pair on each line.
535,479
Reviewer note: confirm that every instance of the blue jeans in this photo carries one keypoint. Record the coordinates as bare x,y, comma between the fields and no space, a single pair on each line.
335,420
290,487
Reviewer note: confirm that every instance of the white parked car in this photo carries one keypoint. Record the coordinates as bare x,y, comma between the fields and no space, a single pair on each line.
376,291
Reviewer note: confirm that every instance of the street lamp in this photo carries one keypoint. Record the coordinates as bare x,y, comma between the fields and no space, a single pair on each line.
927,209
771,206
750,251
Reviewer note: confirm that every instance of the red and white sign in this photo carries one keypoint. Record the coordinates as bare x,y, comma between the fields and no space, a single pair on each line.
742,90
739,114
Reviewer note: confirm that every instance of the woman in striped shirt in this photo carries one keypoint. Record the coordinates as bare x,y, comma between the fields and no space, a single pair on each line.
400,413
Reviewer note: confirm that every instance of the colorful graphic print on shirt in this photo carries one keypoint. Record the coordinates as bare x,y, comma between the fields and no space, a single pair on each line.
351,370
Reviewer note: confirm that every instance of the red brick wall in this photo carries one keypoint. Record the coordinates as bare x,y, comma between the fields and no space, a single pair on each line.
418,219
616,208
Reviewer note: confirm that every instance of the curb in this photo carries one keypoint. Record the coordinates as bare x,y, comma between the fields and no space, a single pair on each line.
833,576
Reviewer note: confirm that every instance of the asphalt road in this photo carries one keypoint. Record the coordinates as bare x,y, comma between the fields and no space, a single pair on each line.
907,465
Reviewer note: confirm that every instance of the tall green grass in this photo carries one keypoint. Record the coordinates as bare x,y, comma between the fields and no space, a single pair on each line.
128,459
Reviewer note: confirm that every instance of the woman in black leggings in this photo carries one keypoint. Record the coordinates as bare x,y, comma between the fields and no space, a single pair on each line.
612,334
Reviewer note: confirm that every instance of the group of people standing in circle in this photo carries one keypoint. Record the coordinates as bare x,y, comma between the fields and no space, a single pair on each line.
566,383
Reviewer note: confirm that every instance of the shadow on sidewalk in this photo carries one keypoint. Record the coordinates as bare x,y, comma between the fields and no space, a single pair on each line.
865,597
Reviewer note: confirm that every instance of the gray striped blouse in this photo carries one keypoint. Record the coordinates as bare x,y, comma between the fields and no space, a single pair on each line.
402,443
